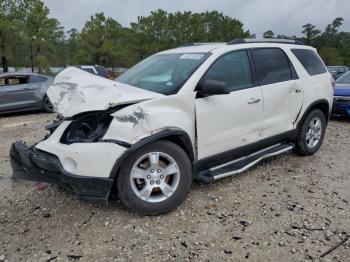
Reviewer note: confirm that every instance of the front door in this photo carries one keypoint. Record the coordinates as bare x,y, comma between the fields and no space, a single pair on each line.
229,121
15,92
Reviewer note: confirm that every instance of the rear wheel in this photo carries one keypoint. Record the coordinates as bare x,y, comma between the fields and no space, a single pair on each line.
155,179
47,105
311,133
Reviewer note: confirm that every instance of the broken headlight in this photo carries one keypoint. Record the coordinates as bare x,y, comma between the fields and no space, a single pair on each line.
87,128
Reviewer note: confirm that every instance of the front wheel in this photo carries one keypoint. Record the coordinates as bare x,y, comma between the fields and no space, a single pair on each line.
47,105
311,133
155,179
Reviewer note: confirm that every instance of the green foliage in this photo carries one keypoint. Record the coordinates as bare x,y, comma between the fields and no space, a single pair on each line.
27,34
331,56
162,30
311,34
269,34
333,45
28,37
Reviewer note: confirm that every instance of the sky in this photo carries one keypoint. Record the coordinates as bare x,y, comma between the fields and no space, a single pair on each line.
281,16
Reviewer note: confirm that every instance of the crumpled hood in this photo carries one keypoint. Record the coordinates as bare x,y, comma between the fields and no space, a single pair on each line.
342,89
75,91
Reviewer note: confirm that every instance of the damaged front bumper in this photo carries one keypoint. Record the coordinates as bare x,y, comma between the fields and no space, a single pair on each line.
30,163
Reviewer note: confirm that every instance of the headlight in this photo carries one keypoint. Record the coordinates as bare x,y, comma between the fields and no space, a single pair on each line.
87,128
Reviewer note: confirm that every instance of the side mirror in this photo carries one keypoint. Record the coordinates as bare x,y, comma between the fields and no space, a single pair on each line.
213,87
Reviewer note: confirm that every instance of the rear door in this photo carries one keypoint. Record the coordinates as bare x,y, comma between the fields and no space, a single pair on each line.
15,92
281,88
229,121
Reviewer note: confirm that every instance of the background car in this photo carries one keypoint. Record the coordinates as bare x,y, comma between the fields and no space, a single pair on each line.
24,91
341,101
337,71
96,70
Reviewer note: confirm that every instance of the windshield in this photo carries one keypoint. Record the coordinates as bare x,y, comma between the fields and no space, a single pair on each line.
163,73
344,79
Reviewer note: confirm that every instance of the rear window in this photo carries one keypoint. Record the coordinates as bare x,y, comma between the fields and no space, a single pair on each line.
272,65
310,60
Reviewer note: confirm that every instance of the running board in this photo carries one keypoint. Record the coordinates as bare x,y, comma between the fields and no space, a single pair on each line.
242,164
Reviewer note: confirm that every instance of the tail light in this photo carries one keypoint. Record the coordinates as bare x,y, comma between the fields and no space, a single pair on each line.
333,82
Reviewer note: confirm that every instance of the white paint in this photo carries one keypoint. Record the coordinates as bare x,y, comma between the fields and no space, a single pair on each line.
168,112
225,122
90,159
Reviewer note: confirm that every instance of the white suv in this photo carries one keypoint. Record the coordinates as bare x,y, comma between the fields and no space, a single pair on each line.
202,111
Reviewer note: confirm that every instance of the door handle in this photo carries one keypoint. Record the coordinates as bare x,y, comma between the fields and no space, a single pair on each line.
254,100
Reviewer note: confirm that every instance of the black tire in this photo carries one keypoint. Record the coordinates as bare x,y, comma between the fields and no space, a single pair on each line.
124,185
302,145
48,108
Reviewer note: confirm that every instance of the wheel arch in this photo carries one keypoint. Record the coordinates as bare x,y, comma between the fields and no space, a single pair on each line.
321,104
177,136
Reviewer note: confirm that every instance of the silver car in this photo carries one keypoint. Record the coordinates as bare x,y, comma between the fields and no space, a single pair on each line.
24,91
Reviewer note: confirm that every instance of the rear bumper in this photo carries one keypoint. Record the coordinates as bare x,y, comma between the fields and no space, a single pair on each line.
30,163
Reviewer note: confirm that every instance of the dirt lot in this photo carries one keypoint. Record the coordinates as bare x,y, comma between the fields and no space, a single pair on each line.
287,209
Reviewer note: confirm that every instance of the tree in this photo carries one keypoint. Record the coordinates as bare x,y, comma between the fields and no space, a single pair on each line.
162,30
42,32
100,42
269,34
71,45
9,25
311,34
331,37
331,56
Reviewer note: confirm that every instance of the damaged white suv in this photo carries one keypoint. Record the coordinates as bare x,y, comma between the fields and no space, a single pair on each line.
203,111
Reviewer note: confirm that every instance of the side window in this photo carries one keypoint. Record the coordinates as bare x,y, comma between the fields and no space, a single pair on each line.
233,69
2,81
310,61
16,80
36,79
272,65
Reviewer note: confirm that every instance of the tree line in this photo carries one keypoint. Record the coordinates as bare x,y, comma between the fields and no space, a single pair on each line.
332,44
30,38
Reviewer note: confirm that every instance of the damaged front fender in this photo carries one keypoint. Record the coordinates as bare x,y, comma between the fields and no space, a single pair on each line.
138,121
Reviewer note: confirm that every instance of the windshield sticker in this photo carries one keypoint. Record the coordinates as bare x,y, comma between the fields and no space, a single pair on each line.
192,56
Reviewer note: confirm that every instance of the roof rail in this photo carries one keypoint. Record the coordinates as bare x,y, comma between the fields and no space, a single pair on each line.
197,44
265,40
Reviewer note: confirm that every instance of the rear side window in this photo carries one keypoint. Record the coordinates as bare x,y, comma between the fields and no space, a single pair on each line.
272,65
310,60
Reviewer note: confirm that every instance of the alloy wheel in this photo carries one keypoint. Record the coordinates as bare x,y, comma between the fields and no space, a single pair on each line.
314,132
155,177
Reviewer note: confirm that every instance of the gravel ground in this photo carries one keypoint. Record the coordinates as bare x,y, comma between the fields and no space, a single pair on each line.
287,209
